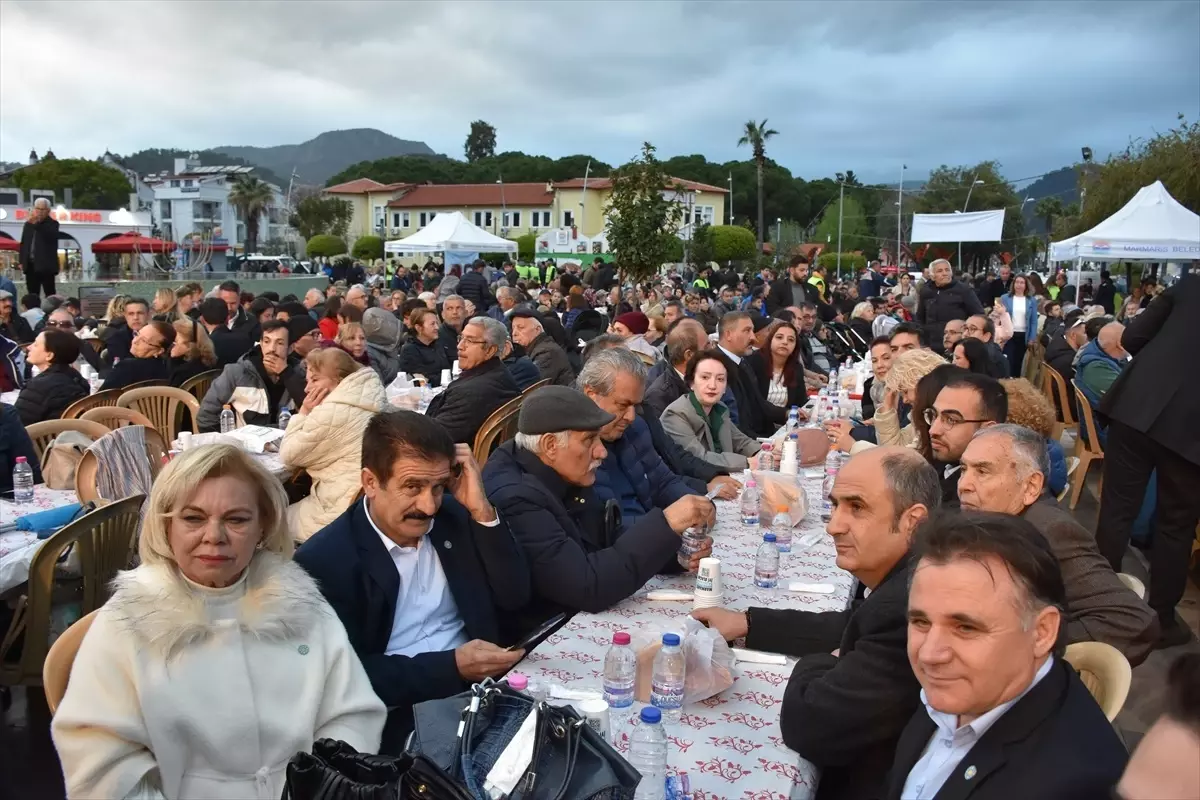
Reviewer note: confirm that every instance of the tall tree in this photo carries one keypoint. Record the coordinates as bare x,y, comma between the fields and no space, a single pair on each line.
251,197
948,190
481,141
315,215
1049,209
92,184
643,216
756,135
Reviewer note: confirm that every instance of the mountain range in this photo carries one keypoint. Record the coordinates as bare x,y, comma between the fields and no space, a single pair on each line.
327,154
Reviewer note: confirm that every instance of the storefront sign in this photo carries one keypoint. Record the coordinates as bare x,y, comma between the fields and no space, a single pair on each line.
64,215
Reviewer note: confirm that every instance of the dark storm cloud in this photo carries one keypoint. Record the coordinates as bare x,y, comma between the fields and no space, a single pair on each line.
866,86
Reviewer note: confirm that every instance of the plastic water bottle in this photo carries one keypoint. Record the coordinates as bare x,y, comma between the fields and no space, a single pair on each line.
793,420
285,416
228,420
833,463
766,563
749,502
781,527
666,682
766,457
22,478
648,755
620,673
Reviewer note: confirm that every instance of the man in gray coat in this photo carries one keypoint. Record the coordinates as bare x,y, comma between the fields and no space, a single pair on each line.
1003,470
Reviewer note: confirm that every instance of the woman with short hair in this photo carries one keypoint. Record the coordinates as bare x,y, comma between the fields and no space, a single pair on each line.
191,353
353,339
216,659
57,384
421,354
699,422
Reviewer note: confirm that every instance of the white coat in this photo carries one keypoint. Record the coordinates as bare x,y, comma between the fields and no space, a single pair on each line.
180,691
328,444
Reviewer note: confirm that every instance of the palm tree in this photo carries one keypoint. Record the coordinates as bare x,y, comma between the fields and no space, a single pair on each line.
756,136
251,197
1049,208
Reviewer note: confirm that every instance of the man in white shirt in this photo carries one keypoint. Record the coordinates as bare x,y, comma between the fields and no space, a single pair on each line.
1004,716
419,570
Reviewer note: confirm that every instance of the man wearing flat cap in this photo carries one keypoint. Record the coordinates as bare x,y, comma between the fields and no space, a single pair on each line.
580,556
529,332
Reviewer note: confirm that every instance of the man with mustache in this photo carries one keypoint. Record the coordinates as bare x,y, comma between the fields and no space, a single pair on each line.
581,558
419,570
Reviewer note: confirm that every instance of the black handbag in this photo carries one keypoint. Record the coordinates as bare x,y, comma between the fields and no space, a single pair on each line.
336,771
464,736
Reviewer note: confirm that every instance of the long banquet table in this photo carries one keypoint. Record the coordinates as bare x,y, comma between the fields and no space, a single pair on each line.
17,548
729,745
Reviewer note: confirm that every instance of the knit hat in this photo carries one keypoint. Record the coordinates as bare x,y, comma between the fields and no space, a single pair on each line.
636,321
299,326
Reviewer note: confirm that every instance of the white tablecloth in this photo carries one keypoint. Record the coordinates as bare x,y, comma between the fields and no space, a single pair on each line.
10,397
18,548
728,745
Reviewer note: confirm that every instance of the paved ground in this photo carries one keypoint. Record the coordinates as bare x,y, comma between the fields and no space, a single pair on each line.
29,768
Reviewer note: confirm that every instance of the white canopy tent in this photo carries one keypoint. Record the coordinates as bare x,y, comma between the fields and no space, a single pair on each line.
450,230
1153,226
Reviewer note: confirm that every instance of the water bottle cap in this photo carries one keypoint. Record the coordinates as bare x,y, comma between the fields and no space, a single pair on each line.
21,459
781,509
517,681
621,637
768,537
671,639
651,715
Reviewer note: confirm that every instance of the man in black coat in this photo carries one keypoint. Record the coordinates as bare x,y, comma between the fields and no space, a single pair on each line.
942,299
12,325
794,289
1151,412
756,417
529,331
852,691
473,286
483,385
39,248
981,327
1004,715
229,345
1060,352
419,578
684,340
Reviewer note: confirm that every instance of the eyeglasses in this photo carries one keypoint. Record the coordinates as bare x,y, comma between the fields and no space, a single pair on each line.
949,420
972,329
66,324
476,342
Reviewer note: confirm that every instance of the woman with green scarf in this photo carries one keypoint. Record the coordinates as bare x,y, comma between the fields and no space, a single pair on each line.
700,422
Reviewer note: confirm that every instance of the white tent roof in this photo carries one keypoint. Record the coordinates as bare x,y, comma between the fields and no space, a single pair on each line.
450,230
1153,226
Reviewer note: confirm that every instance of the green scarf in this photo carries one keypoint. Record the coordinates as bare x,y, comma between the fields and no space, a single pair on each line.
714,421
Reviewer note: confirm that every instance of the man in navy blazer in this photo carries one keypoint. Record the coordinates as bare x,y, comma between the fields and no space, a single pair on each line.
417,577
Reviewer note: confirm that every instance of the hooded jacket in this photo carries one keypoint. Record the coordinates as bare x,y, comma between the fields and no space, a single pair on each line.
327,443
383,333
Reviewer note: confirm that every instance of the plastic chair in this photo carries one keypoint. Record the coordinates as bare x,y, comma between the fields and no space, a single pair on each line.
85,471
1055,389
56,672
103,399
1105,672
144,384
1072,465
43,433
1085,452
537,385
165,406
104,540
499,427
198,385
1135,585
114,417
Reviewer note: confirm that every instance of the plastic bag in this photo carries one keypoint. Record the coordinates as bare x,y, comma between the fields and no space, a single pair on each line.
777,489
709,661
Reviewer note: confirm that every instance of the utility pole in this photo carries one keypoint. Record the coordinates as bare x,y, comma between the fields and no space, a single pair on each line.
503,209
974,182
730,198
841,205
900,218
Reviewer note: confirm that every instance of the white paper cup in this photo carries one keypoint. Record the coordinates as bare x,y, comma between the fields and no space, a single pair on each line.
185,440
445,377
708,578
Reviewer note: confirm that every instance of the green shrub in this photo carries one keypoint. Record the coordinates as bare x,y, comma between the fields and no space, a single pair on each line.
732,243
526,245
326,245
852,263
368,247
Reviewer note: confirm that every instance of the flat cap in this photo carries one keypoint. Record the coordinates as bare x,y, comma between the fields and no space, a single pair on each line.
553,409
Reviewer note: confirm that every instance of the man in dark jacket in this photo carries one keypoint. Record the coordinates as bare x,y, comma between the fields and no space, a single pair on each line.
454,316
981,327
852,691
529,332
1004,715
756,417
524,372
258,385
39,248
942,299
794,289
683,341
473,286
1060,353
1106,293
229,345
580,558
419,580
1151,413
483,385
12,325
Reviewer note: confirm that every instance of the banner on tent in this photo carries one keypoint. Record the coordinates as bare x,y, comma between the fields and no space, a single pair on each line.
974,226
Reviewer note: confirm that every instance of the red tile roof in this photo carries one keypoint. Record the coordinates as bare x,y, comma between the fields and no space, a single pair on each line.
475,194
606,183
359,186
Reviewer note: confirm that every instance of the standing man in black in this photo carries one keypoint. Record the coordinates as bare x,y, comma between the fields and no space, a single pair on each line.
473,286
1106,294
794,290
39,248
1151,411
942,299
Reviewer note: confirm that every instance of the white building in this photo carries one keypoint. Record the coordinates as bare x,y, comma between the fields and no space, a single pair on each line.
194,200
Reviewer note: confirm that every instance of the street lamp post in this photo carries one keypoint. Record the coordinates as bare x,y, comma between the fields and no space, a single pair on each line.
970,189
900,216
731,198
778,236
503,208
841,205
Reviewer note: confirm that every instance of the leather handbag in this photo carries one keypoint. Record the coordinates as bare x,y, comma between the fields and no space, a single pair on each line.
336,771
465,735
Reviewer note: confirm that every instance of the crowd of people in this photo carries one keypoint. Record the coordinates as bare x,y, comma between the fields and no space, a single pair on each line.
415,569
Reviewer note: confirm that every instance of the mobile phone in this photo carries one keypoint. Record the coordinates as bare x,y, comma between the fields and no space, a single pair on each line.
539,634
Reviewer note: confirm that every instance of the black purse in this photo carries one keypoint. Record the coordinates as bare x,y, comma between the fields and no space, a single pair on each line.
336,771
464,736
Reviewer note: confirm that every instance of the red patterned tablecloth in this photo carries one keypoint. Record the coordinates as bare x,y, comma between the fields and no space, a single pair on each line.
729,745
17,548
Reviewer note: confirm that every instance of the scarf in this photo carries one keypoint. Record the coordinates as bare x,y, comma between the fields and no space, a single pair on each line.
714,421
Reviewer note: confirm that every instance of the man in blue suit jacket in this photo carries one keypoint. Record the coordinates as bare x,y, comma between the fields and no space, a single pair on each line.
417,577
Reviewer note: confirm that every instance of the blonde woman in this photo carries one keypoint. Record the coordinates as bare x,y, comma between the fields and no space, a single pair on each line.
192,352
217,659
905,373
165,304
325,437
116,308
353,339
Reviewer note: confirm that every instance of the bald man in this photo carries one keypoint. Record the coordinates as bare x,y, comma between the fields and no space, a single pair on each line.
39,248
1100,364
685,340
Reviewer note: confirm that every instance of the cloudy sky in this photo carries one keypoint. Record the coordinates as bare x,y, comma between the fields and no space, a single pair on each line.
864,86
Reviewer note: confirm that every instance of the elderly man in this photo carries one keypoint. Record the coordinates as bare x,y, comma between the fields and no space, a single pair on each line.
357,296
506,301
1005,716
1060,352
673,312
62,319
981,327
454,314
952,334
483,386
942,299
1100,364
420,569
815,355
314,301
38,254
551,360
852,691
581,558
1003,470
684,340
967,403
755,416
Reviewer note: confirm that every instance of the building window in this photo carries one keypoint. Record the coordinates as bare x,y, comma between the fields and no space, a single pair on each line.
166,210
380,216
512,219
175,184
702,215
423,218
405,221
541,219
188,182
483,219
568,219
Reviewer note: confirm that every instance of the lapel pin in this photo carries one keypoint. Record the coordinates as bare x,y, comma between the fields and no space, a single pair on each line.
970,773
447,545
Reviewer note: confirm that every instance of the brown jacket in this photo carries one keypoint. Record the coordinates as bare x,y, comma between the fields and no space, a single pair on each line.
1100,608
